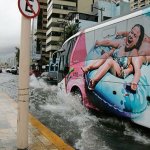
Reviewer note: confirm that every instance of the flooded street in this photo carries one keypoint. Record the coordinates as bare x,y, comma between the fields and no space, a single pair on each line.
70,120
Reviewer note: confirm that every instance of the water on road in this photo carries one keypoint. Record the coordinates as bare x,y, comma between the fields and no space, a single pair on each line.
68,118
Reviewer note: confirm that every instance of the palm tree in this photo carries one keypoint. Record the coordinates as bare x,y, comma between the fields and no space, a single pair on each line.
70,30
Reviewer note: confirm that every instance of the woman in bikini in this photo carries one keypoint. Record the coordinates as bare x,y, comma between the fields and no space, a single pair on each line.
120,59
143,52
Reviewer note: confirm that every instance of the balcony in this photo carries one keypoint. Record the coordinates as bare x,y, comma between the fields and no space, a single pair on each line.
52,38
51,47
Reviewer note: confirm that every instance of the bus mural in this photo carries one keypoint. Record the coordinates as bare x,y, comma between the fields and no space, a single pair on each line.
108,65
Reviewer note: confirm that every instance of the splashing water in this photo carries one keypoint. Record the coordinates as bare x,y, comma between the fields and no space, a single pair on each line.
137,135
71,110
82,129
68,118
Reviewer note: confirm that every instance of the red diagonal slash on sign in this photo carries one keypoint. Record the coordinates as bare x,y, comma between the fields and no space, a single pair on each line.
27,1
34,8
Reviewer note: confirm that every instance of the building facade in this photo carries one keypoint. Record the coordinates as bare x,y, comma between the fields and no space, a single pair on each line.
136,4
39,35
106,9
85,6
57,11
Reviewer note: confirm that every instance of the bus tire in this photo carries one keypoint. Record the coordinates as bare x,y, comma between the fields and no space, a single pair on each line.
76,92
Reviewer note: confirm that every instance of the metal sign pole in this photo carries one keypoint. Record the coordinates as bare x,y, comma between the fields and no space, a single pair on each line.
23,97
29,9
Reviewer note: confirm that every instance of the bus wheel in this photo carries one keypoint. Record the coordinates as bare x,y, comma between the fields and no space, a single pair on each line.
77,94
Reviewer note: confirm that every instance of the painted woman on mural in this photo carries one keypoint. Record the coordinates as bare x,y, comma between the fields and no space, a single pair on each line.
144,50
119,59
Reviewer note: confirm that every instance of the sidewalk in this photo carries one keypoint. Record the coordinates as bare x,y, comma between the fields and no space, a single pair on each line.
40,137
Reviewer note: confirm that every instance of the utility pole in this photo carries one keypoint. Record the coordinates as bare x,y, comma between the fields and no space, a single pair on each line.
101,10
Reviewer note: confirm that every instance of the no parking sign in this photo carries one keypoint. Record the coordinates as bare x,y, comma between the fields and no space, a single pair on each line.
29,8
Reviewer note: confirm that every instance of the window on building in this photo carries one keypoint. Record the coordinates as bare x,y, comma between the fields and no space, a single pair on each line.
65,7
55,15
43,4
54,33
39,20
53,43
44,22
44,16
56,6
88,17
70,0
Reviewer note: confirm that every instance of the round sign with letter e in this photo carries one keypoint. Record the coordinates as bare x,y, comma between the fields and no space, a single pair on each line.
29,8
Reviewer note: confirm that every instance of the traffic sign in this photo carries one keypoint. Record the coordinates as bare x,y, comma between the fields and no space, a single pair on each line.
29,8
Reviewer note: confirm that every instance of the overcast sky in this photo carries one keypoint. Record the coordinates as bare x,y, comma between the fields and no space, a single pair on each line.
10,23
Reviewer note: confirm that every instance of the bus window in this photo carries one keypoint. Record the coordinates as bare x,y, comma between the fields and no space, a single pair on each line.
47,68
52,67
61,64
56,67
62,68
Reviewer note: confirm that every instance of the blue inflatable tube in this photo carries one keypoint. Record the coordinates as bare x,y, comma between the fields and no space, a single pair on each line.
112,93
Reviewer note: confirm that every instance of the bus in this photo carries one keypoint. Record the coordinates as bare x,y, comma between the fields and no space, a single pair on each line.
53,67
119,42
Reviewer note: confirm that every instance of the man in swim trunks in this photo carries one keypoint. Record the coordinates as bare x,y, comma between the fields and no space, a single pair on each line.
122,60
